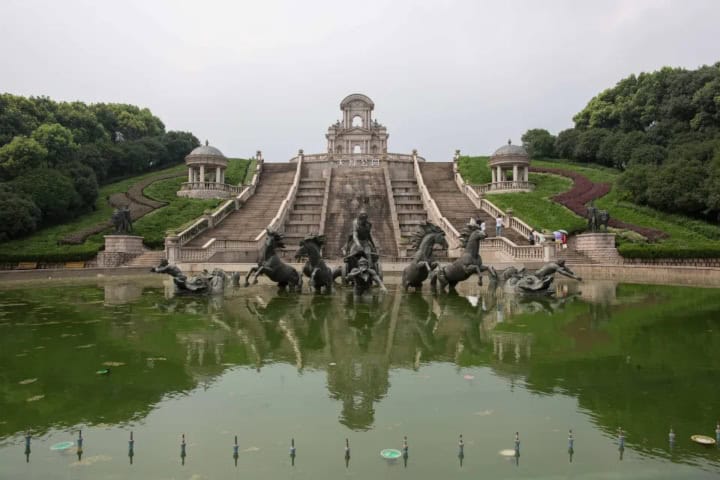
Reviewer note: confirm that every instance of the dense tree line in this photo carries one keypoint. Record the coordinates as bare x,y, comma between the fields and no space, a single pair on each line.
53,156
661,128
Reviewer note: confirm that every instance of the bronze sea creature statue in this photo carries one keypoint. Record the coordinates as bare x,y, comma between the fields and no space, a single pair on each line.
464,267
427,236
320,275
539,282
272,266
212,283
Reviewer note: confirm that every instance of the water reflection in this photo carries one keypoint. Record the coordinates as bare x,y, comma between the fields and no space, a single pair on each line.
629,354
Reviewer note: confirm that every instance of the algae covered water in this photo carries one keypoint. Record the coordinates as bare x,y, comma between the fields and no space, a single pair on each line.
127,356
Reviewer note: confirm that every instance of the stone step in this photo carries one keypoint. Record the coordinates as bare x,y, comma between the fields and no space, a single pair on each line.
150,258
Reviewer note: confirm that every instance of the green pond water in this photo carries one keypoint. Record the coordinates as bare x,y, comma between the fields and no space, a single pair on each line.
320,369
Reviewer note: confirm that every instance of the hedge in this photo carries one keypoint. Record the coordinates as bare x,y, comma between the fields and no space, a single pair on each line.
50,257
635,250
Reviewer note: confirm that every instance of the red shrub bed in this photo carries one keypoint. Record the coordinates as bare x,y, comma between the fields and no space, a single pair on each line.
584,191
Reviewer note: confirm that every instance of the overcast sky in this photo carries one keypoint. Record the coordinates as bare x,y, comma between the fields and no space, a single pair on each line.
270,75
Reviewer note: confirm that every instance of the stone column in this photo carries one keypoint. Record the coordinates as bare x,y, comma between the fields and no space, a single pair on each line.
218,175
515,173
498,175
526,176
202,173
492,172
190,174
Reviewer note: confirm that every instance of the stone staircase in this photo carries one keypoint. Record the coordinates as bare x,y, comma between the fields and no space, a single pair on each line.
305,214
454,204
150,258
410,212
353,189
253,217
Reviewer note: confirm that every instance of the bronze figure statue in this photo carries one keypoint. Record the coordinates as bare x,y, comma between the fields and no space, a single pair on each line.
273,267
122,220
360,243
533,283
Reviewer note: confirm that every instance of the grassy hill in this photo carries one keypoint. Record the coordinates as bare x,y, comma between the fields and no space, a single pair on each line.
687,237
43,245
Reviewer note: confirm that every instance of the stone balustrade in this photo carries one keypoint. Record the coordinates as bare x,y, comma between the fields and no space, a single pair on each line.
507,186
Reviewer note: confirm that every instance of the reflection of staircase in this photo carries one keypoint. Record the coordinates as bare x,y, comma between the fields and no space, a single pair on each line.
257,213
304,216
454,204
353,189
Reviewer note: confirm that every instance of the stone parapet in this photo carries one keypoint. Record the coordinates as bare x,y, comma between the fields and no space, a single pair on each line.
674,262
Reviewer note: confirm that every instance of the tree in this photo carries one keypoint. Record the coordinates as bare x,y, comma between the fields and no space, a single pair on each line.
20,155
588,144
539,143
18,214
648,155
565,143
178,145
678,186
58,141
85,183
53,193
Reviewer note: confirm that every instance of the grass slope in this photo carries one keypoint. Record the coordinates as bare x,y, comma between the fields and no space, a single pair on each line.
537,209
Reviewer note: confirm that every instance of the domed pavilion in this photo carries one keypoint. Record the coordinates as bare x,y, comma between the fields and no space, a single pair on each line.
206,174
509,166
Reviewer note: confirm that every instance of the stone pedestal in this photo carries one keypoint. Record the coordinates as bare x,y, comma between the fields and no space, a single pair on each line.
120,249
598,246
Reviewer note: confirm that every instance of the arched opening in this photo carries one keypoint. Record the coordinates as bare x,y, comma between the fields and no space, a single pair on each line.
374,149
357,149
338,149
357,121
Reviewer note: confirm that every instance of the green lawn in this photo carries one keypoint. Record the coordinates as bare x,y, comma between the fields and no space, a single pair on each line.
536,209
239,171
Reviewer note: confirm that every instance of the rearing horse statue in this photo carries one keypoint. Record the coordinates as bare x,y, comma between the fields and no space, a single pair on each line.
469,262
272,266
320,275
427,236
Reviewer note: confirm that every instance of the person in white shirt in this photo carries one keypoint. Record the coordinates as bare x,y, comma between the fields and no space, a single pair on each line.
499,226
482,226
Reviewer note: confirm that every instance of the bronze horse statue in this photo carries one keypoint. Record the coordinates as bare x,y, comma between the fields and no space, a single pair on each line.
597,218
423,240
320,275
469,262
272,266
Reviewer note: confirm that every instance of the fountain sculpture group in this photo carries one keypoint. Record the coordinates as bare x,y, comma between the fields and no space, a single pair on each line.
361,266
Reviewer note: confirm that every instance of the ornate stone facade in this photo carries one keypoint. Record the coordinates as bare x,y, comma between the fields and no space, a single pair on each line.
358,132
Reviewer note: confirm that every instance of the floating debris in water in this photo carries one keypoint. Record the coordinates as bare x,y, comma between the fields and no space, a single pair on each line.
35,398
483,413
40,347
161,359
468,377
21,354
252,449
90,460
89,345
113,364
66,335
508,452
62,446
332,364
27,381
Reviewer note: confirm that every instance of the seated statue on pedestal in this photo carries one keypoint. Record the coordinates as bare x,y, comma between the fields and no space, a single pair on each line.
360,244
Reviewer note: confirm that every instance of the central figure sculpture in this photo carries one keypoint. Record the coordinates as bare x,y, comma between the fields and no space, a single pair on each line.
359,244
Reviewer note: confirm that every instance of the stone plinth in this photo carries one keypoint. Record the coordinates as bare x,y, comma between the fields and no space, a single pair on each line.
124,243
599,247
119,249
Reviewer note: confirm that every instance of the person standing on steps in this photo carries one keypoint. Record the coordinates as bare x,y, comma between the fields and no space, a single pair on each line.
499,226
482,226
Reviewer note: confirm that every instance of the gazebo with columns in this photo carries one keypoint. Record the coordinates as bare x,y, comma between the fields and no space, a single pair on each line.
506,159
206,174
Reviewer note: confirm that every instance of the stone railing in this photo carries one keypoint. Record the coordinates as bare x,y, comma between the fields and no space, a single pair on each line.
434,215
279,219
174,244
503,186
358,159
518,252
393,208
326,200
222,187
